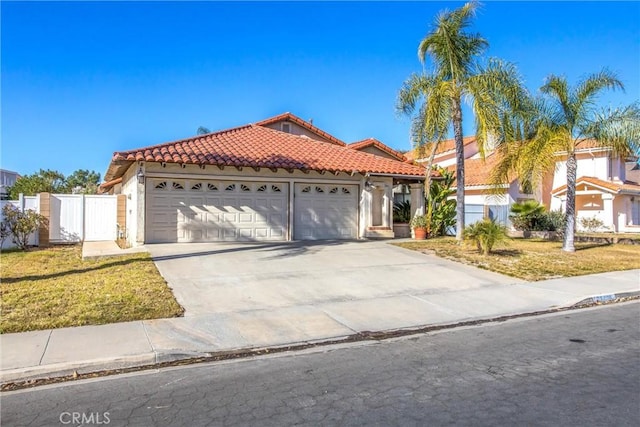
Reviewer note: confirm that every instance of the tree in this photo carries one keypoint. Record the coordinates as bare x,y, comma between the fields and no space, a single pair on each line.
485,234
491,90
556,122
20,225
440,209
43,181
83,181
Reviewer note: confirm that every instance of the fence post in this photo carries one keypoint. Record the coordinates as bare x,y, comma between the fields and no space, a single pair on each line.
121,216
44,201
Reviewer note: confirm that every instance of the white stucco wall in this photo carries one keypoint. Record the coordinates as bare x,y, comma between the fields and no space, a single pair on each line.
135,214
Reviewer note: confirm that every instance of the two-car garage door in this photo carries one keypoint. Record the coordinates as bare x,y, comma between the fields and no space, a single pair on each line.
225,210
209,211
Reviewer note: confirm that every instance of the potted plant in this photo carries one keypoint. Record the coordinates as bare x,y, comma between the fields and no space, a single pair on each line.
420,225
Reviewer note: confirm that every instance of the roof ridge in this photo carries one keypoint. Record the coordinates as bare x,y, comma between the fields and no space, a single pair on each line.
191,138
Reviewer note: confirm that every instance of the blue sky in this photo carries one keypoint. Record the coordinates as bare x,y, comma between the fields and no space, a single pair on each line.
81,80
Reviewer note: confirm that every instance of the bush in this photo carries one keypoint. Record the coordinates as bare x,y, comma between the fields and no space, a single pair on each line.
402,211
485,234
592,224
531,216
21,224
421,221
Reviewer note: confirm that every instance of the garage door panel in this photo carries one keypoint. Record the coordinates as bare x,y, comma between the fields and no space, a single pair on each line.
325,211
215,210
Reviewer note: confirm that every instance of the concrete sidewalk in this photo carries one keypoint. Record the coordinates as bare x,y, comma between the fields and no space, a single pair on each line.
57,352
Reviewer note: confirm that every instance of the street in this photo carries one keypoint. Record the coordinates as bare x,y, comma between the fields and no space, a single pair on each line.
574,368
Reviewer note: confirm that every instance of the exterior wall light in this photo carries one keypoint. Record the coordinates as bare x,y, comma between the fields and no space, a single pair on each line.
140,175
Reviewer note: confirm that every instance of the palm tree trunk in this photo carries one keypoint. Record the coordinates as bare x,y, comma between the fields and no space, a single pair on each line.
457,134
570,210
427,181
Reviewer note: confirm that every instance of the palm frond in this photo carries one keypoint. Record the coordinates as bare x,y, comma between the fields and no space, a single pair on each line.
618,129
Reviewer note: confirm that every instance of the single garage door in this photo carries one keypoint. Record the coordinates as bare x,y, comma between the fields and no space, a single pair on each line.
325,211
210,211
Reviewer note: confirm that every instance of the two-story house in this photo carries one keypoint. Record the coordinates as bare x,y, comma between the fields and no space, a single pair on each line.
608,187
7,179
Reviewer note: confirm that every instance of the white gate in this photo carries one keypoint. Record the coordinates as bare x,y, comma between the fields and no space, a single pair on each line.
78,217
66,223
100,218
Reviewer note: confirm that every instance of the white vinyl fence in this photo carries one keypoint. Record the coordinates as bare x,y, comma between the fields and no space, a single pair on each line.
75,217
24,203
79,217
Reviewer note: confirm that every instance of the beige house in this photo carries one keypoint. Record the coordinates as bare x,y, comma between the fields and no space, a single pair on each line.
276,180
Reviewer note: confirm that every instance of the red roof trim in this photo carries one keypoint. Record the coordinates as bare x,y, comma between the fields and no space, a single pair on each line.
372,142
295,119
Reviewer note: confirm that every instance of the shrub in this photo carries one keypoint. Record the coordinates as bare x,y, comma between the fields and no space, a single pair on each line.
21,224
527,216
402,211
485,234
555,221
421,221
591,224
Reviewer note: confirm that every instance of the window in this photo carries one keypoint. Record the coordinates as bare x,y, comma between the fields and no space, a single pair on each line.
244,188
197,186
334,190
306,189
286,127
161,185
177,186
212,187
262,188
345,191
230,187
319,190
276,188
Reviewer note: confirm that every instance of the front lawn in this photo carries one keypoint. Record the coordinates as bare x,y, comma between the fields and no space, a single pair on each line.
533,259
55,288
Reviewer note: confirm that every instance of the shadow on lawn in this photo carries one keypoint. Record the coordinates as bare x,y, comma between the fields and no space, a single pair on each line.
581,247
125,262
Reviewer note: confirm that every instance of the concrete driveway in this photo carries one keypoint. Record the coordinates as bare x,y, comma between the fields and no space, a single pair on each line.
210,278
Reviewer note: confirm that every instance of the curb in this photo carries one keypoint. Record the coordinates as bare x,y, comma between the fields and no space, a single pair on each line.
20,378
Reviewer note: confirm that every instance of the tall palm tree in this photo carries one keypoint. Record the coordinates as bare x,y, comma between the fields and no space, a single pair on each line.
555,123
457,76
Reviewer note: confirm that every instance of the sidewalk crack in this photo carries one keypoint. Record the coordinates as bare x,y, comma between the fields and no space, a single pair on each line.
46,346
146,334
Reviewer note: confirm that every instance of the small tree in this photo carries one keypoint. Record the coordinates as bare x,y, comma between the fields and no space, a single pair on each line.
440,209
21,224
591,224
485,234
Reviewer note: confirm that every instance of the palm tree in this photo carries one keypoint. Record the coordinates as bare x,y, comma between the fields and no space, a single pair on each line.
555,123
490,90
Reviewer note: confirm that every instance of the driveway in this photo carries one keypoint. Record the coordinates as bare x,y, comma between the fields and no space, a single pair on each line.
210,278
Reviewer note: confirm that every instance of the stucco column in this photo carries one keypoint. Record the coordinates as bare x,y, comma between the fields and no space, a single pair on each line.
140,208
417,200
387,210
607,201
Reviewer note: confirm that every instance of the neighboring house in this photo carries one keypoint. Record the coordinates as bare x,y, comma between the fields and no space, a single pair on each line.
480,202
7,179
276,180
603,189
607,186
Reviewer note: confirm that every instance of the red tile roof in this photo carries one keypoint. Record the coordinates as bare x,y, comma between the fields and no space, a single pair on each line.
443,147
372,142
477,171
608,186
258,146
305,124
106,186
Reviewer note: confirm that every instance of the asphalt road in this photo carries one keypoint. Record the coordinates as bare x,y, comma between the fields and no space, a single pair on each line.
578,368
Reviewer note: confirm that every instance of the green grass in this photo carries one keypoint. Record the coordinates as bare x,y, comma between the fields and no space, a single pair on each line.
55,288
534,259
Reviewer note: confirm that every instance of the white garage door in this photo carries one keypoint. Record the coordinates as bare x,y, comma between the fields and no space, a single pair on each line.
209,211
325,211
